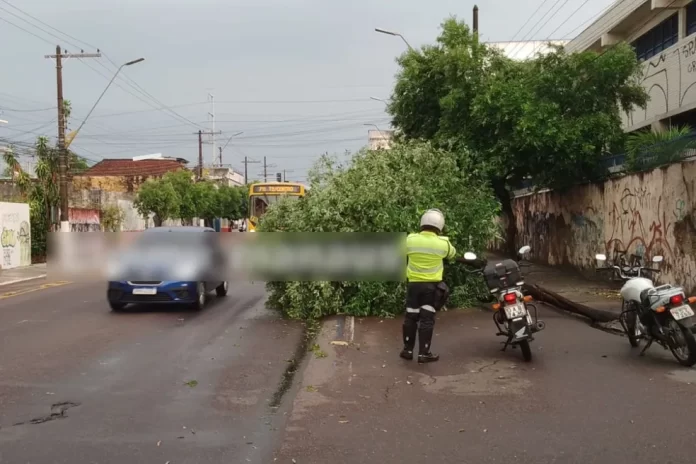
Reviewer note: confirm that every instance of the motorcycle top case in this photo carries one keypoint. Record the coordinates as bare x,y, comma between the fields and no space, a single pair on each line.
494,273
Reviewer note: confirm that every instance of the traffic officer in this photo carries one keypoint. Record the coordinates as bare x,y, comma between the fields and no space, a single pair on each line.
426,293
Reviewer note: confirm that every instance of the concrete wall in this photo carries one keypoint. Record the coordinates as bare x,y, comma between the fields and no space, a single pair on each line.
15,235
648,214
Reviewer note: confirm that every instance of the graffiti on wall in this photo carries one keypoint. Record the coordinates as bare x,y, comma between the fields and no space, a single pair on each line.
670,81
15,235
644,214
631,233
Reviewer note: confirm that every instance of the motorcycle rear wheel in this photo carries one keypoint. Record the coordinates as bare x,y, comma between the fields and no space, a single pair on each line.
526,350
686,353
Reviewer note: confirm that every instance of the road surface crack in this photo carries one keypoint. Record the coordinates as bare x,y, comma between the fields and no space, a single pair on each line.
58,411
488,365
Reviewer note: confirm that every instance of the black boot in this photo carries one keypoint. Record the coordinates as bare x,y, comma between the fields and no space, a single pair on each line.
425,336
410,328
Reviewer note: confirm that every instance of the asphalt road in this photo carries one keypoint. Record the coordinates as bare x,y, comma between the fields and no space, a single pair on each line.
81,384
585,398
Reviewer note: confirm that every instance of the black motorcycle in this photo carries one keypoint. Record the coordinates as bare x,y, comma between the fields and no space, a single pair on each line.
512,316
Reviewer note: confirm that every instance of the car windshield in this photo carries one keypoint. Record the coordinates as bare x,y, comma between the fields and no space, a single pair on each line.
166,240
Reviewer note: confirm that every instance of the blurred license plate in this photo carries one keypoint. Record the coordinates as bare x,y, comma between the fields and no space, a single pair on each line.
144,291
681,312
514,311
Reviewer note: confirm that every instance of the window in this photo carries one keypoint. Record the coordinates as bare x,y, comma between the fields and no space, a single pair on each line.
659,38
691,18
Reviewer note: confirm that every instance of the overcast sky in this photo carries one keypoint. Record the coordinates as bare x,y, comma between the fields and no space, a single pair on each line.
296,76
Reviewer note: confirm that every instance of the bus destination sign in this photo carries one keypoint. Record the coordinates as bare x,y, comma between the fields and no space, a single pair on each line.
276,189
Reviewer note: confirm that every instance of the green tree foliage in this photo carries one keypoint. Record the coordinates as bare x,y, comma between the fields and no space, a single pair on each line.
382,191
112,218
183,183
193,200
40,192
232,202
551,118
158,197
649,149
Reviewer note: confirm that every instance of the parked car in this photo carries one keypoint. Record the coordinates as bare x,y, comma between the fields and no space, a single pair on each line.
168,265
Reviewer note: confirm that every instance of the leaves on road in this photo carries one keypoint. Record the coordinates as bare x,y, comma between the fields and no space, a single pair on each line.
191,383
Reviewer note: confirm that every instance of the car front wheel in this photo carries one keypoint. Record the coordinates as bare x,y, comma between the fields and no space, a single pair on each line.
117,307
221,289
200,296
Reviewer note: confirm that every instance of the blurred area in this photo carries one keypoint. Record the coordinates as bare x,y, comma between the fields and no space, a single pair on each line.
189,254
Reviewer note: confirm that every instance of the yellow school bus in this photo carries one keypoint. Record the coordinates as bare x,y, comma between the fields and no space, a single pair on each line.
264,194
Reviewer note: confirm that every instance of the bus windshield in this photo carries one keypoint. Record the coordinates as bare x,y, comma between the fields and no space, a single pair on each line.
260,203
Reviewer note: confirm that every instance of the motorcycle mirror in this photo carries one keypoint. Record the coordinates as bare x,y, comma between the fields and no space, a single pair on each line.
469,256
524,250
657,259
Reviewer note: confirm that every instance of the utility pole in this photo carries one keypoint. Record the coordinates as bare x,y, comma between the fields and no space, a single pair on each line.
220,157
265,169
211,98
62,151
476,19
285,171
246,168
200,151
200,155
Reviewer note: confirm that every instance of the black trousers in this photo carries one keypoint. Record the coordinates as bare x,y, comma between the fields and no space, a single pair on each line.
423,299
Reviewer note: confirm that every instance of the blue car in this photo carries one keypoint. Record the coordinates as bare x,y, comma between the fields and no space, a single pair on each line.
168,265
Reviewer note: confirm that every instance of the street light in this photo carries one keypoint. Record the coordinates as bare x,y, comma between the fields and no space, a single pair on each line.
130,63
380,100
395,34
228,141
2,121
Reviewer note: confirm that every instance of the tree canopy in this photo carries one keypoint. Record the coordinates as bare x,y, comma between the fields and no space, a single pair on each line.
177,196
551,118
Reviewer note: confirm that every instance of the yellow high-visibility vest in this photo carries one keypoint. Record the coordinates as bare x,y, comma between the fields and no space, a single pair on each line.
426,253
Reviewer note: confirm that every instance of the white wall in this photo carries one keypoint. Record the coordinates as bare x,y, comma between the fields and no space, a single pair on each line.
15,235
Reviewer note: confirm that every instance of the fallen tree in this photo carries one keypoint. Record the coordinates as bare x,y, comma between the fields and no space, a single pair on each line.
384,191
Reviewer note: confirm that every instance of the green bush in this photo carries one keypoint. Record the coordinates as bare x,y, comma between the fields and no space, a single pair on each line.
383,191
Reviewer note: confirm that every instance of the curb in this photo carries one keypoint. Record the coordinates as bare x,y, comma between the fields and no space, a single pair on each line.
26,279
345,331
547,296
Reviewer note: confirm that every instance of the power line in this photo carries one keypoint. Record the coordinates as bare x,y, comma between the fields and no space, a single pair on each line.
531,31
528,19
563,23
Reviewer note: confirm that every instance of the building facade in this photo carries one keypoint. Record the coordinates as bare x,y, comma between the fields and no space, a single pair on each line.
379,139
663,33
526,49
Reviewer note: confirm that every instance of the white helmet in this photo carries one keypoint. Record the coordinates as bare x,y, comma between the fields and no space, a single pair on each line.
433,218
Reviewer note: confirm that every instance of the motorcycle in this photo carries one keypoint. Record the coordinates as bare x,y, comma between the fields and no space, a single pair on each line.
511,310
657,314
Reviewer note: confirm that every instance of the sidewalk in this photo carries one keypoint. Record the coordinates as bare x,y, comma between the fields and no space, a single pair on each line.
598,300
22,274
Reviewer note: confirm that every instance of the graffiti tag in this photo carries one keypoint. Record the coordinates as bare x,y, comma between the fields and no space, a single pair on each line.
679,212
8,238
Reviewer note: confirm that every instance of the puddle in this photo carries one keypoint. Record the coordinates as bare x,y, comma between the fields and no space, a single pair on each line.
683,375
481,378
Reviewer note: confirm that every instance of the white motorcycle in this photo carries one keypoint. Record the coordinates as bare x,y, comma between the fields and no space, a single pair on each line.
657,314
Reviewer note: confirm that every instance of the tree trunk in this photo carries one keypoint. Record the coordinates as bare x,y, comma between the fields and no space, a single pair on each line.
503,195
157,220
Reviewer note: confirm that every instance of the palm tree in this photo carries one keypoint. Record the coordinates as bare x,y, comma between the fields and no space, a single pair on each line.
649,149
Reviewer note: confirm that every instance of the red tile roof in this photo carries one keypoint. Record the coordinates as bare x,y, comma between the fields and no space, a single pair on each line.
128,167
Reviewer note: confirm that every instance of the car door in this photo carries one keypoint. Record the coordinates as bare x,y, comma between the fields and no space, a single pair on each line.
215,257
